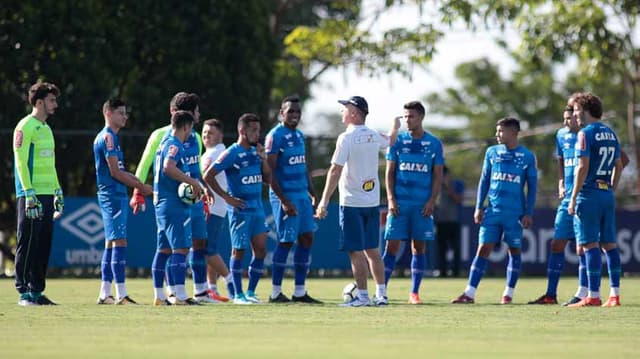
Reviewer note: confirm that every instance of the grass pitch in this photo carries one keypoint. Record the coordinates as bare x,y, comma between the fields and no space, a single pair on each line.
78,328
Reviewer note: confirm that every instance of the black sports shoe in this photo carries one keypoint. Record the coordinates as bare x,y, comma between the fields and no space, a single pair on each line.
126,300
306,298
573,300
281,298
43,300
106,300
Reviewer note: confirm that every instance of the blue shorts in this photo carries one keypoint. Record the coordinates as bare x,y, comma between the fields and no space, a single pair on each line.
501,226
243,227
217,230
564,224
115,210
198,221
409,224
359,228
595,217
288,228
174,229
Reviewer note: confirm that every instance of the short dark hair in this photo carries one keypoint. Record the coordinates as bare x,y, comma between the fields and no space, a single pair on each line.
40,90
184,101
291,98
509,122
181,118
112,104
246,119
416,106
214,122
590,103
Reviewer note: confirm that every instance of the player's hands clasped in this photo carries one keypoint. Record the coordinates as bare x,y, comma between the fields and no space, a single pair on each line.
33,207
58,203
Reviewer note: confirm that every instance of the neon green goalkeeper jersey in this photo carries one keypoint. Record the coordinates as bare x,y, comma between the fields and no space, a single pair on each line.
149,154
34,157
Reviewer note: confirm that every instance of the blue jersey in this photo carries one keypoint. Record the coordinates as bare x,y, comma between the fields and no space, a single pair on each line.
244,176
600,144
106,145
165,188
192,149
565,149
504,174
414,160
291,168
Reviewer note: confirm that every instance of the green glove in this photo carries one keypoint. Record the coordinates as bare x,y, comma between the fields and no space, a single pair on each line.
33,207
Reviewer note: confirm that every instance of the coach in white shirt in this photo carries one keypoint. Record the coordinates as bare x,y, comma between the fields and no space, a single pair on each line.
354,168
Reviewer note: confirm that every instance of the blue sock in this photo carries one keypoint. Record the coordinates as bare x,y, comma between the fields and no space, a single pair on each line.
119,263
554,269
594,264
389,261
235,265
614,268
105,265
256,268
158,268
231,289
169,273
513,270
418,264
279,263
301,264
198,265
179,268
478,267
582,272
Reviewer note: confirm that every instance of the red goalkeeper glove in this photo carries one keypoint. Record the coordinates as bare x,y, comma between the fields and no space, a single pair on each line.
137,202
206,201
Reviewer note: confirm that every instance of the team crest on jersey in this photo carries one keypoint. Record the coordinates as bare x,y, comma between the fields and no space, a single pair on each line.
17,140
108,140
173,150
369,185
287,136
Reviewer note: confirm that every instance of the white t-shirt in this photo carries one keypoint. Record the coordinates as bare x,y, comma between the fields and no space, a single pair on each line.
219,207
357,150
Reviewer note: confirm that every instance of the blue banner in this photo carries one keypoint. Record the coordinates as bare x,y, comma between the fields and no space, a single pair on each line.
79,240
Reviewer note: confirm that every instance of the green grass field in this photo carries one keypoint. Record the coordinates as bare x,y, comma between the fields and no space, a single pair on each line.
79,328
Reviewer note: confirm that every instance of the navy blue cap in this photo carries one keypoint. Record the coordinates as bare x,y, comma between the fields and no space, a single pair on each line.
358,102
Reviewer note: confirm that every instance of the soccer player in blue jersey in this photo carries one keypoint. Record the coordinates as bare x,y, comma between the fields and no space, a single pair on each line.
413,178
245,165
592,199
507,167
292,199
564,222
112,181
173,216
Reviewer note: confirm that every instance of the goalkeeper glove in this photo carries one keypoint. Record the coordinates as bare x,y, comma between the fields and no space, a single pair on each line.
58,203
137,202
33,207
206,203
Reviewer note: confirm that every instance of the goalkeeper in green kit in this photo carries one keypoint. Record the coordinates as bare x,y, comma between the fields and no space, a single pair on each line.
38,194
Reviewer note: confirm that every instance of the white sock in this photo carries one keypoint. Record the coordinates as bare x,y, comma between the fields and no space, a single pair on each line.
594,294
615,291
181,292
275,290
159,292
299,291
470,291
199,288
582,292
171,290
105,289
121,290
213,287
381,290
363,294
508,292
